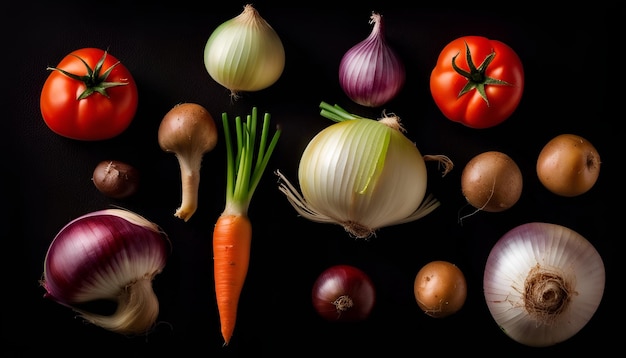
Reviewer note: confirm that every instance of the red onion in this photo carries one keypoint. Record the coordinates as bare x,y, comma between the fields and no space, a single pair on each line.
371,73
343,293
108,255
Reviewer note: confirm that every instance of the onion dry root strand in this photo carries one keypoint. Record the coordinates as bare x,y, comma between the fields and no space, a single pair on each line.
362,174
546,294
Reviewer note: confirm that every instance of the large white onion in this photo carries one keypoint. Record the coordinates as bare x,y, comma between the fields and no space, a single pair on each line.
542,283
362,174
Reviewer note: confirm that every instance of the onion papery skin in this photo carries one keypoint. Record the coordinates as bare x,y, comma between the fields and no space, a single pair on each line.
245,54
555,261
113,255
371,73
361,174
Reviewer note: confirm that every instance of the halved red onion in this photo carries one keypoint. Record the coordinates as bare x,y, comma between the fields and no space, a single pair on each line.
108,255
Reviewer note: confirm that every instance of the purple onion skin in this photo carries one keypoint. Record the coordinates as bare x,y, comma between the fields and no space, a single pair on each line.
371,73
95,245
346,281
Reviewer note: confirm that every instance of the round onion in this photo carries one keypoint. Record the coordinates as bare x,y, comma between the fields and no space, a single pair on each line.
108,255
542,283
343,293
371,73
245,53
362,174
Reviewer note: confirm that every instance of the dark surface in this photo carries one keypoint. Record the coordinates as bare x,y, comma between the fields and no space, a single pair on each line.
48,178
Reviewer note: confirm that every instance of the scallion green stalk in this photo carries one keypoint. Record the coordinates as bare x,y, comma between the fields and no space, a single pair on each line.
336,113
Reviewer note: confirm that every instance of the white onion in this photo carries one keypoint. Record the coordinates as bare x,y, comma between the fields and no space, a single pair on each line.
542,283
245,53
371,73
362,174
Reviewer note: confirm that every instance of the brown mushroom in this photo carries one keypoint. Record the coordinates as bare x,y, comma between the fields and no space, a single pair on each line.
189,131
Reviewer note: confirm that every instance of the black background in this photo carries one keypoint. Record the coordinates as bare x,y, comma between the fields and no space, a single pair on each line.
48,177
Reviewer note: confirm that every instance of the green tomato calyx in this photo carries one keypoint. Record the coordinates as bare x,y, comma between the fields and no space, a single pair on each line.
93,80
476,78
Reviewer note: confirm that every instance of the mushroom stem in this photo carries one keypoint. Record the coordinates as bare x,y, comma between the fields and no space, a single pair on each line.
189,131
190,180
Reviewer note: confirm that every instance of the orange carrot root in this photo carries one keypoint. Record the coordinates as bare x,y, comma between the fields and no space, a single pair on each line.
232,234
231,255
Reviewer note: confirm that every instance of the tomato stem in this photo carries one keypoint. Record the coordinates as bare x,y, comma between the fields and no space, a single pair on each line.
93,81
476,78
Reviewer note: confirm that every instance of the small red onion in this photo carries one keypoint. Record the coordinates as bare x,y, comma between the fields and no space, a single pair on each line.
108,255
371,73
343,293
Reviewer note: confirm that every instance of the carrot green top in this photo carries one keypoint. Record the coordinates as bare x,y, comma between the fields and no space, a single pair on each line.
245,167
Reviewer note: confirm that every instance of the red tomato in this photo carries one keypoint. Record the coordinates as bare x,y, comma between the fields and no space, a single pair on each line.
485,87
94,100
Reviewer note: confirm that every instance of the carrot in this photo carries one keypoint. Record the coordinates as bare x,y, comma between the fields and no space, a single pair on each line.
231,251
232,234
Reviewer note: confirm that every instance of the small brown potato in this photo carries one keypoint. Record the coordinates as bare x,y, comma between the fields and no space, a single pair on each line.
440,288
492,182
116,179
568,165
